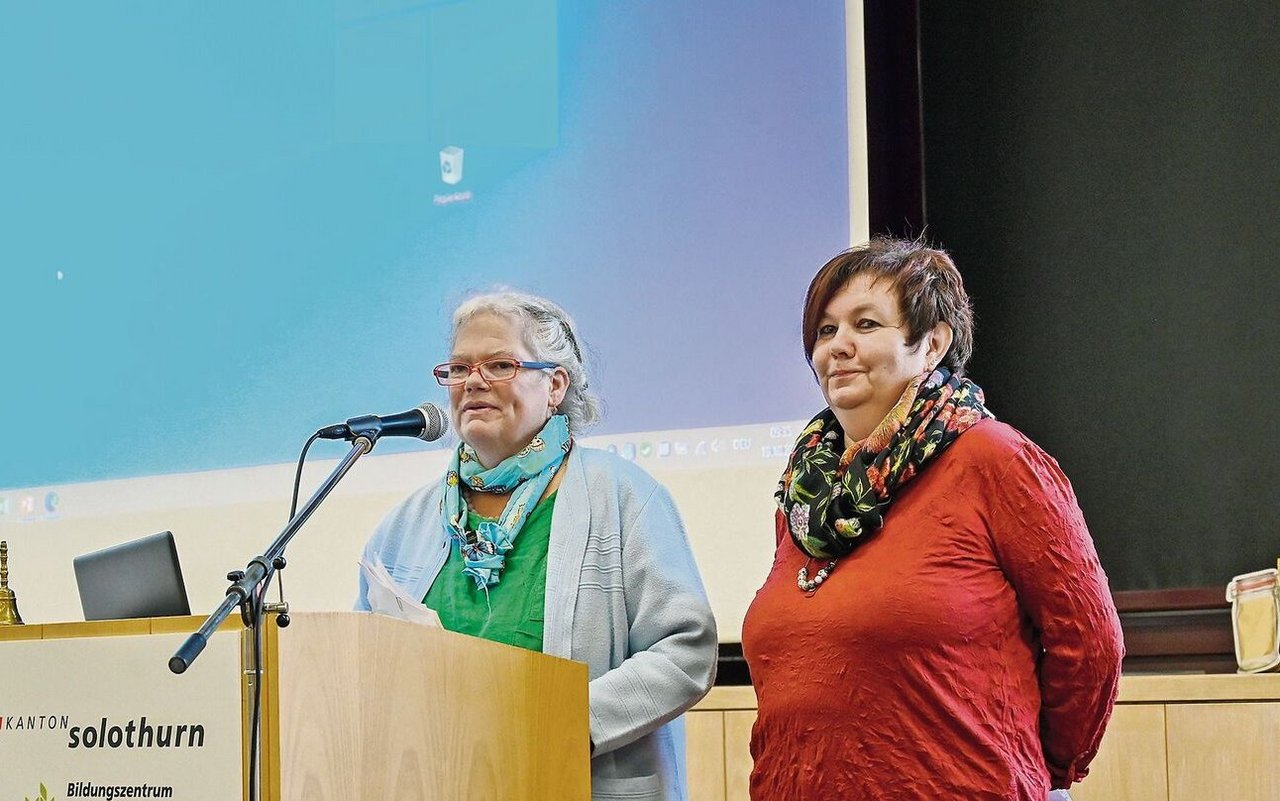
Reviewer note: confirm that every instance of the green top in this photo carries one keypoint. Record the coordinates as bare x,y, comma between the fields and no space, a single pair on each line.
512,612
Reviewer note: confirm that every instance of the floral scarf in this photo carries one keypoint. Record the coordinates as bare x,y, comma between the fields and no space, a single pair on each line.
834,498
525,475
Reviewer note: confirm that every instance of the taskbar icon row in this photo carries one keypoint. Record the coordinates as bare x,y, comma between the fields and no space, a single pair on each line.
29,506
769,442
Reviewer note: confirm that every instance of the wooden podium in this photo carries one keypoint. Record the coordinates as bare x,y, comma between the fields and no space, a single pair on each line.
354,706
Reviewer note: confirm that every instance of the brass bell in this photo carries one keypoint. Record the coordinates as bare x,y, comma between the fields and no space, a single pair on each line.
8,601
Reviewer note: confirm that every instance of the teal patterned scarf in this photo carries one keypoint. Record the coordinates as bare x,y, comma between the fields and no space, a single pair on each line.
834,498
525,475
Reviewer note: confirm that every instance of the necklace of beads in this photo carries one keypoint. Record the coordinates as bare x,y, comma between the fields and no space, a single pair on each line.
807,584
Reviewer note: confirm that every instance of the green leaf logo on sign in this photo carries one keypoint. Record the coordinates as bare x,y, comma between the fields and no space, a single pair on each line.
44,794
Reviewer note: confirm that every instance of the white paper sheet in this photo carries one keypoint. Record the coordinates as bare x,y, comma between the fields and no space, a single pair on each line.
386,597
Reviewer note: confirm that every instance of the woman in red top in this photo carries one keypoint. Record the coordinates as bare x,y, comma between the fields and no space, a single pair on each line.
935,624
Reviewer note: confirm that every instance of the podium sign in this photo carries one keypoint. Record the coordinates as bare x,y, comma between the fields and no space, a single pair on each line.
103,717
354,706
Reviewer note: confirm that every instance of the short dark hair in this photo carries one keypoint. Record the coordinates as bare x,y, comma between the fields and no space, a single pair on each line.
928,284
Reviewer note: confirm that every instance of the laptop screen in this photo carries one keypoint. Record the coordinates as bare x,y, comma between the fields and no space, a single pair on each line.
141,578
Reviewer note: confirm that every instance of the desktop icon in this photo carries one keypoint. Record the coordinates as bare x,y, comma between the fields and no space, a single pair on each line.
451,165
51,501
629,450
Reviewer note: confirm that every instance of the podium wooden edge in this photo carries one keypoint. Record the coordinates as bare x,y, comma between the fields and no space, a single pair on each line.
110,628
269,748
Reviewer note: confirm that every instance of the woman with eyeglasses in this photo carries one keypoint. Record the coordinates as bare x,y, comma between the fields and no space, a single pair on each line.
533,540
936,624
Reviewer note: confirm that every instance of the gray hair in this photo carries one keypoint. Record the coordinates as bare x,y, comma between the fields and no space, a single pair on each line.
551,336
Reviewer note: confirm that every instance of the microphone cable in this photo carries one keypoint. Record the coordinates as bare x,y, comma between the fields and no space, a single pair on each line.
256,613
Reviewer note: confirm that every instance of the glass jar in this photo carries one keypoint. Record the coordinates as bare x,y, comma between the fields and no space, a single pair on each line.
1255,620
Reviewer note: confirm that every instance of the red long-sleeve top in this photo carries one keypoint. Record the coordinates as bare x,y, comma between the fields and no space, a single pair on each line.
969,650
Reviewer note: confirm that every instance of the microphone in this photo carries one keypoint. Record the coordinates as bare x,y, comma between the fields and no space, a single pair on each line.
427,422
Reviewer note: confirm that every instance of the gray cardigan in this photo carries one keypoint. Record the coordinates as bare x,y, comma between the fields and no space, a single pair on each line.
623,595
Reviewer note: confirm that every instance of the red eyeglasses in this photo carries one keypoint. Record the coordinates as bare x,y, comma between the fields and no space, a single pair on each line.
453,373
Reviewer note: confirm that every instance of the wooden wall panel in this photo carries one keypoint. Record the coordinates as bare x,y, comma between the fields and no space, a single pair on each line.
1131,762
737,754
704,744
1224,751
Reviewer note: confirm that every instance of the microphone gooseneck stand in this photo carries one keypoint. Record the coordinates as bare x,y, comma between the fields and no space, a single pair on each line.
248,588
245,584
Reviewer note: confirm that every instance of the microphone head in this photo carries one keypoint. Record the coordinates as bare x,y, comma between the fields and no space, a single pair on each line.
437,422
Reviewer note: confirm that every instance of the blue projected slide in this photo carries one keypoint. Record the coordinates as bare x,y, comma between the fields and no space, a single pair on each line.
227,224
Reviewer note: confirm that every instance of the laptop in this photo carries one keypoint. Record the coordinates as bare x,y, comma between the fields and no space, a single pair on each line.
141,578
